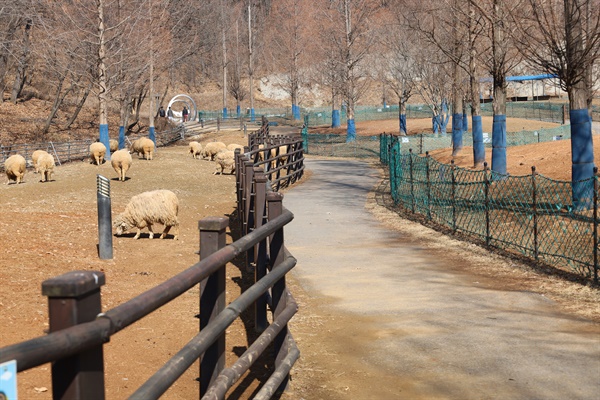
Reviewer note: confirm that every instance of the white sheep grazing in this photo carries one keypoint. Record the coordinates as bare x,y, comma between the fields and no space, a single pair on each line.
143,146
15,167
97,152
35,156
121,162
211,149
195,149
225,159
148,208
113,145
46,166
234,146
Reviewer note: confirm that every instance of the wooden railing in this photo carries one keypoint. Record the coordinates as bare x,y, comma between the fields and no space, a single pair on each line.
78,328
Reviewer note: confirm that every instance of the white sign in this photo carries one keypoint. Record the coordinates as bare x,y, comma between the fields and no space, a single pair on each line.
8,380
486,135
487,140
405,140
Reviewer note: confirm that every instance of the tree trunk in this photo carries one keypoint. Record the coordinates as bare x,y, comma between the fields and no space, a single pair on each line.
79,106
21,65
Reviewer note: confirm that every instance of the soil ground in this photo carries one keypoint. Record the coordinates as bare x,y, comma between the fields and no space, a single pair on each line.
47,229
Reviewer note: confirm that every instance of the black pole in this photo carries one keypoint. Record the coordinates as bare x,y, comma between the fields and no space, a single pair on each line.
535,221
487,203
105,248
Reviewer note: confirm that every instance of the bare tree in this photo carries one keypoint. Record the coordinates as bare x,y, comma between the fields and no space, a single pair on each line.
236,88
563,38
289,39
349,23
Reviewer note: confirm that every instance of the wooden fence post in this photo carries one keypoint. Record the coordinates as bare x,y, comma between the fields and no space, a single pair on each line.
260,249
74,298
212,298
279,291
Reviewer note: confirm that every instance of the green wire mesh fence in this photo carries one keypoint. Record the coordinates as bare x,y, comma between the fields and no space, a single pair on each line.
532,215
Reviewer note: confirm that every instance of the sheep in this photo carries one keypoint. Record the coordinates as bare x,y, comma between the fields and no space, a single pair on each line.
35,157
143,146
113,145
211,149
195,149
121,162
234,146
147,208
97,152
225,159
45,166
15,167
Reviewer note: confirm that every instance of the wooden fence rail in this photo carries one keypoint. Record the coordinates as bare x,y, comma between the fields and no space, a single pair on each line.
79,328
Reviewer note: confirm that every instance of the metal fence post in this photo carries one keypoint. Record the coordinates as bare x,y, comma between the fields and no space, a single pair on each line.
486,182
596,224
212,298
421,145
260,249
105,247
412,181
74,298
427,159
453,170
535,214
276,255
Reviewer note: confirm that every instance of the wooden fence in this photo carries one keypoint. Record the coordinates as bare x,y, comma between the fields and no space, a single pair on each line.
79,328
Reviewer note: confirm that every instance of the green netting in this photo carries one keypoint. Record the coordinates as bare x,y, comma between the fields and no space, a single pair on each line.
531,215
331,145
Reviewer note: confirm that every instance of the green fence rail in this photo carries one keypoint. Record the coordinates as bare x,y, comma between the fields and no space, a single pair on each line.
532,215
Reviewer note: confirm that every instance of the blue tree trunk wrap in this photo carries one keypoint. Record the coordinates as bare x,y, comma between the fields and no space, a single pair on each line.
238,110
121,137
296,111
499,144
105,140
465,122
252,115
151,135
224,112
582,157
351,131
335,119
403,124
457,133
435,124
478,145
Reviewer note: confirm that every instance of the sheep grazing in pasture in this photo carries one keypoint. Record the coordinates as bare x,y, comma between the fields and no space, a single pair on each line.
113,145
143,146
234,146
121,162
148,208
225,159
15,167
196,149
35,156
97,152
45,166
211,149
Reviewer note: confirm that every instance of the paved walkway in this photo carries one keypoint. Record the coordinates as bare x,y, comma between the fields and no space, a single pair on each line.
451,337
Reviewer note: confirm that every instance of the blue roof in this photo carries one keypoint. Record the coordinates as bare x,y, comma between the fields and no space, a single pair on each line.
522,78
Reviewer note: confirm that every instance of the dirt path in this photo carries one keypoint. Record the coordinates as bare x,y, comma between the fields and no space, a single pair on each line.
405,313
